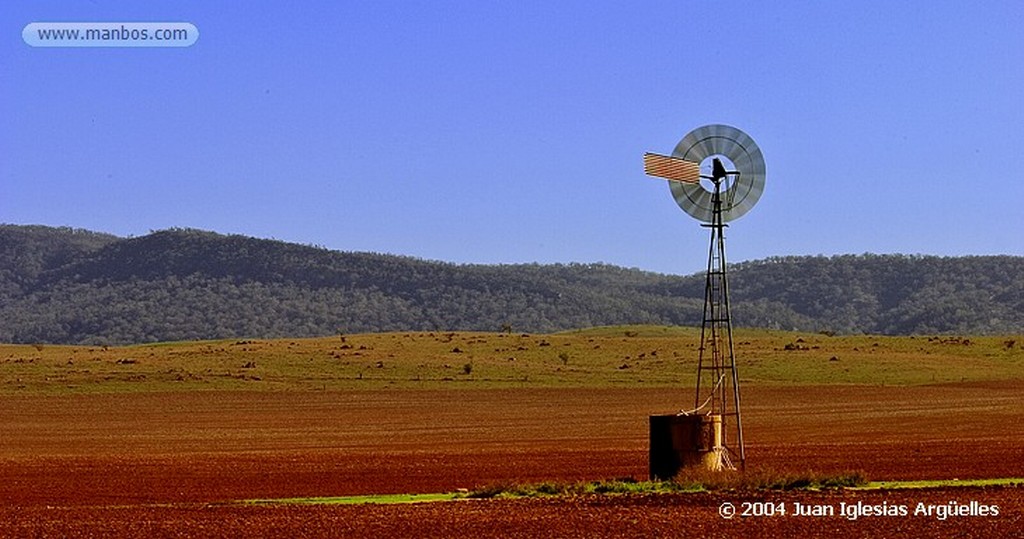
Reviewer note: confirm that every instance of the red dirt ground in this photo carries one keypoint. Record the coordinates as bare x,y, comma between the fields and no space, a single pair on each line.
167,464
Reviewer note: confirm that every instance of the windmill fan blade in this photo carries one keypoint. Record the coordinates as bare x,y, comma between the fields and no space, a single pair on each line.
671,168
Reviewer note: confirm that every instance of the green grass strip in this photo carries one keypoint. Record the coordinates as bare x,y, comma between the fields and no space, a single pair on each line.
611,488
943,483
357,500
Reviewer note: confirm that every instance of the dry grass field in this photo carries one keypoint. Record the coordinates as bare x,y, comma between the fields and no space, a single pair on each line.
170,439
630,357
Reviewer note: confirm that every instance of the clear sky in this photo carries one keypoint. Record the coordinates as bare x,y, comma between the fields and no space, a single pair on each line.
508,132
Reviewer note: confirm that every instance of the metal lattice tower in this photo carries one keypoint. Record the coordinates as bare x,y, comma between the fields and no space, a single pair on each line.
718,390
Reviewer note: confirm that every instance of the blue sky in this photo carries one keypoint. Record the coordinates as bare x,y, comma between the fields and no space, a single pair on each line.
508,132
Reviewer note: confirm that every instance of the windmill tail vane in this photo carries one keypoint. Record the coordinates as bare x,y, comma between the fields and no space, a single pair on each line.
671,168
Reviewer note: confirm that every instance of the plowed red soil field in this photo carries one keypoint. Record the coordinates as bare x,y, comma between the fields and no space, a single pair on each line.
174,464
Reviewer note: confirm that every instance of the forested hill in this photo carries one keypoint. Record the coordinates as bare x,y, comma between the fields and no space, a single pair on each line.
59,285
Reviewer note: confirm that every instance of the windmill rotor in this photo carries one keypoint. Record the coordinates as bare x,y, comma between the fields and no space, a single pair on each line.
741,187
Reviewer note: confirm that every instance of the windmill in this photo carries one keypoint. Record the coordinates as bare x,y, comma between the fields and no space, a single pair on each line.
716,174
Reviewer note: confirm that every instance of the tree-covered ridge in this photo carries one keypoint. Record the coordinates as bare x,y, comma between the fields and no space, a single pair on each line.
893,294
27,251
69,286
